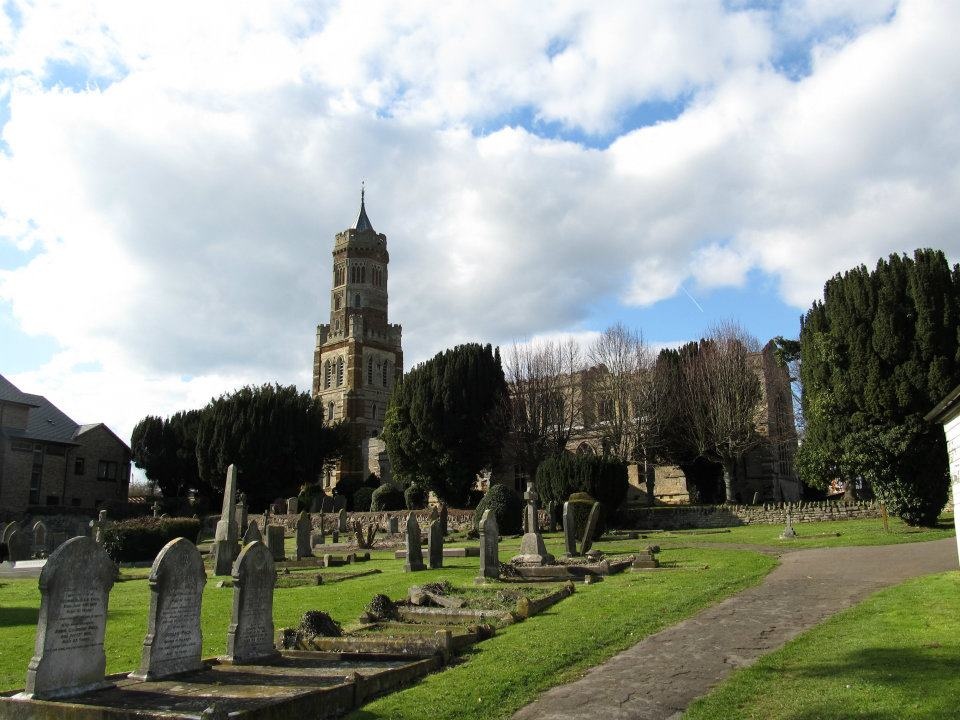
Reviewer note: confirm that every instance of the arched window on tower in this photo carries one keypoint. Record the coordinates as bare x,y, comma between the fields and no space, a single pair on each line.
339,371
383,373
369,371
326,374
336,302
363,274
330,411
356,300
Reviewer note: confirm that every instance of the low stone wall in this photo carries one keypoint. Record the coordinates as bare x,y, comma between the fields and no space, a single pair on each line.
457,520
711,516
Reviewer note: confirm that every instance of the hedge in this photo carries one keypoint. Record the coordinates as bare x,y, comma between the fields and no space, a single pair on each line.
141,539
361,499
415,497
507,507
603,479
386,497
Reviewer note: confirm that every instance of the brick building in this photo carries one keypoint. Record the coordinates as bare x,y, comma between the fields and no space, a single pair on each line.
47,459
358,356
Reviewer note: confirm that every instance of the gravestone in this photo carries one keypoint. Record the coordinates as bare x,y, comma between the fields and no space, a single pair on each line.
304,550
489,546
414,551
279,507
226,536
252,534
393,525
7,531
335,536
68,656
434,515
98,526
323,532
156,509
435,545
20,545
788,532
569,530
174,641
275,542
551,516
532,549
592,519
444,516
250,635
291,506
40,537
342,520
242,514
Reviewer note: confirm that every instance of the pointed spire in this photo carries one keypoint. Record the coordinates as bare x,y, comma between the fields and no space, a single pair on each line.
363,222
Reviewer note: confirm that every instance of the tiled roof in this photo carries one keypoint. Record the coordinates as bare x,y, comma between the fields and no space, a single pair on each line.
48,422
11,393
363,222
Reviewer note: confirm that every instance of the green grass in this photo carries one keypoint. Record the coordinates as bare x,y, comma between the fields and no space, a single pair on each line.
893,657
810,535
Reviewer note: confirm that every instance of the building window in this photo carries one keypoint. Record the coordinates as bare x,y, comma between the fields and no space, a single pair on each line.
383,373
369,371
339,371
107,471
363,274
356,300
79,466
53,500
326,374
373,411
330,411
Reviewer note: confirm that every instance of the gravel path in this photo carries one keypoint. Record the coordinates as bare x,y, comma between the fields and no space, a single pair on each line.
660,676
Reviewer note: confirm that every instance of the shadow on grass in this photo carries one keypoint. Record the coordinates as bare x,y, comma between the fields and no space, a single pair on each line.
13,616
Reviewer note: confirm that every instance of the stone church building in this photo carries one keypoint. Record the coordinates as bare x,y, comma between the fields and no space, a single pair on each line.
358,356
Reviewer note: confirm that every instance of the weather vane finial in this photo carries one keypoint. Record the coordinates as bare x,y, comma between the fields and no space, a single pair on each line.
363,189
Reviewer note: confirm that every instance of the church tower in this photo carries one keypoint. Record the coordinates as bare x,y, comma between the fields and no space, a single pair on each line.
358,357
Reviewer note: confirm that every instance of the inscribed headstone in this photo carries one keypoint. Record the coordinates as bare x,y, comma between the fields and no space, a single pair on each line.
569,530
68,656
435,544
592,519
414,551
489,546
20,545
303,536
393,525
291,506
39,537
174,641
250,635
275,542
342,521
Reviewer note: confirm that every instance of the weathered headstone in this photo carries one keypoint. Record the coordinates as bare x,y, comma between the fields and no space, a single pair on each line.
98,526
173,643
435,545
291,506
225,537
335,536
20,545
275,542
304,549
7,531
68,656
592,519
342,521
414,551
788,532
250,636
551,516
40,537
444,517
532,549
393,525
242,514
489,546
252,534
569,530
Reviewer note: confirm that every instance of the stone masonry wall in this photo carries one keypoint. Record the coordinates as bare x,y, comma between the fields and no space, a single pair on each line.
709,516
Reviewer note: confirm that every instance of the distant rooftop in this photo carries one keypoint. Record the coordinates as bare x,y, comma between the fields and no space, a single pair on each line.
363,222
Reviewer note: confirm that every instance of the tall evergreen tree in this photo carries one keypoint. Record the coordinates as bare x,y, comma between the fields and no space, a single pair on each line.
877,353
166,450
447,420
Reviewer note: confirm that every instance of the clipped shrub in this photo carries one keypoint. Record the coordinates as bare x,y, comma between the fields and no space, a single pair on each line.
317,623
386,497
415,497
603,479
507,507
582,503
362,498
142,539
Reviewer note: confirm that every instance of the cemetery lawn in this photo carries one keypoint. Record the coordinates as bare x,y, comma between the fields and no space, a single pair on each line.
835,533
894,656
495,677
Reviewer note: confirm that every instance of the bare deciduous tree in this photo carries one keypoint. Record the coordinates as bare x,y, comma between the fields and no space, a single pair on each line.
546,397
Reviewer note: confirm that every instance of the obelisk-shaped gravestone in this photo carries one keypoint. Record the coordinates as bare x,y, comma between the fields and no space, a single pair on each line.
414,551
489,546
303,536
532,549
174,641
569,530
250,635
252,534
225,538
435,544
592,519
75,587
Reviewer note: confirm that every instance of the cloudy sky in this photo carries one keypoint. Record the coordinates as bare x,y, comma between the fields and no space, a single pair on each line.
172,174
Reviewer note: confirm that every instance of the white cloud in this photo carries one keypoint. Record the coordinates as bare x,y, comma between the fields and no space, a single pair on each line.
184,203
